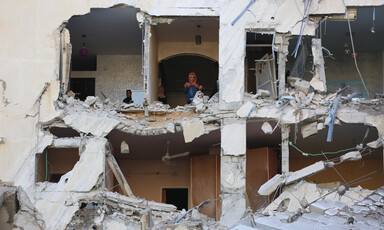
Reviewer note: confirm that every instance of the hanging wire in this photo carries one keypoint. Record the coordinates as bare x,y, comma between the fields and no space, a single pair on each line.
353,49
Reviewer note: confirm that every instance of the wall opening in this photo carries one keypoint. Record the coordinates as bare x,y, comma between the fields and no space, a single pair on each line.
53,163
113,57
339,63
176,196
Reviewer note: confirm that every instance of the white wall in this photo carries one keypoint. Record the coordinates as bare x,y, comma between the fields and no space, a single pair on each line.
114,75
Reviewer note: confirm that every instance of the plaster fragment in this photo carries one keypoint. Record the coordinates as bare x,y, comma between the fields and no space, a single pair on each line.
267,128
192,129
309,129
124,147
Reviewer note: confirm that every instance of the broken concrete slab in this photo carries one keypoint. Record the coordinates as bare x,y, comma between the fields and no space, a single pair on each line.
27,215
192,129
305,172
124,147
271,185
97,126
309,129
318,81
302,85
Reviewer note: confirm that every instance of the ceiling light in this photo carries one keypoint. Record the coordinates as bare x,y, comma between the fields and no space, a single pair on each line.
83,51
198,36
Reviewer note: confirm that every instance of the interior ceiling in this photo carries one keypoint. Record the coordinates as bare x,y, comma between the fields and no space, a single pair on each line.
184,29
115,31
154,147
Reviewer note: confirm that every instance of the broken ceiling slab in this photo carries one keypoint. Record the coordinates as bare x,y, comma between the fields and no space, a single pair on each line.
94,152
66,142
305,172
192,129
97,126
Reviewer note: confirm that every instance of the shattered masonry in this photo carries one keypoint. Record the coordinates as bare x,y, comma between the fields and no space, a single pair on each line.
36,100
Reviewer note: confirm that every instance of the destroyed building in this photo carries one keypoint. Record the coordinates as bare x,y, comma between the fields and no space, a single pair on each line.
293,90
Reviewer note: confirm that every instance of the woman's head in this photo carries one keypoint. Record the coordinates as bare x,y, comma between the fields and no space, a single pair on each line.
192,77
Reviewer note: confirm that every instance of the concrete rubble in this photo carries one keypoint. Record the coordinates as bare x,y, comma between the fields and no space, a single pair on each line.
320,208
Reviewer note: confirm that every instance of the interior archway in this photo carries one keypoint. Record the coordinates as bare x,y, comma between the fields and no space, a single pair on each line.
174,72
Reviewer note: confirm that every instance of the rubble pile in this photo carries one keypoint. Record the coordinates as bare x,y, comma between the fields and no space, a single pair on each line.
307,204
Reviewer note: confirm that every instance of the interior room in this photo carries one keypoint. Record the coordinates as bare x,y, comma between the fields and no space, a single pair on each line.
106,54
187,44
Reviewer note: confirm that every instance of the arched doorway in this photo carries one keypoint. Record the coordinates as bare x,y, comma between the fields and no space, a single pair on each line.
174,72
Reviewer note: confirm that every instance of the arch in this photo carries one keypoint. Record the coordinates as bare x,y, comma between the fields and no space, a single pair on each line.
191,54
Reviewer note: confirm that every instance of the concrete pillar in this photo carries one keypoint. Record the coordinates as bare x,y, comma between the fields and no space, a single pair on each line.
285,148
231,60
146,57
281,45
233,150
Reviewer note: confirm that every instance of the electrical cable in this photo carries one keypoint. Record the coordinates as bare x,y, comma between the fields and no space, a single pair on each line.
319,154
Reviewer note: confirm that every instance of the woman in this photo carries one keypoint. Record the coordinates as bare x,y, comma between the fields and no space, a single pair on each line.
191,87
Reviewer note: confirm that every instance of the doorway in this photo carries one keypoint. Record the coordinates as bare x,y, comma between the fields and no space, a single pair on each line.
176,196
